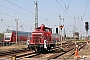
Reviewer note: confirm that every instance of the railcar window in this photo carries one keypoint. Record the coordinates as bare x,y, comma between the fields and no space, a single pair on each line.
7,37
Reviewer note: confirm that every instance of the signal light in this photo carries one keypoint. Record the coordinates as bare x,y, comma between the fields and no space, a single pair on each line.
86,26
65,35
61,27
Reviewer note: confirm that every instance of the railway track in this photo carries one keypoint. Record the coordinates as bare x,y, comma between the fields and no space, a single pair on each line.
50,54
67,54
13,52
53,54
71,52
58,55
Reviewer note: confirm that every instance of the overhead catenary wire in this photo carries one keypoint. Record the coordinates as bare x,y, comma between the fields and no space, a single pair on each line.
13,16
61,6
14,11
67,7
63,9
18,6
7,15
26,10
22,8
64,4
10,16
86,7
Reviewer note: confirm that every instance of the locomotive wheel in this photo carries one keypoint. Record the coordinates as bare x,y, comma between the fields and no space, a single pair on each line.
40,50
43,50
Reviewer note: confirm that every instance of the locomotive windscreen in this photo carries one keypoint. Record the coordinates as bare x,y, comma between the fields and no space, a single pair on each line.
8,36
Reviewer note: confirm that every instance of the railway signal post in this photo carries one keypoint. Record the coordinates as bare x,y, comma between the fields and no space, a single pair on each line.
86,28
61,34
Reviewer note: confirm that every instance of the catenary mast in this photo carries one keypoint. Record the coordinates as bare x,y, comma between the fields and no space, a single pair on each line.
36,14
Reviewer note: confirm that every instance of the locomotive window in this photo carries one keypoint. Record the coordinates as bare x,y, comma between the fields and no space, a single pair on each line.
47,30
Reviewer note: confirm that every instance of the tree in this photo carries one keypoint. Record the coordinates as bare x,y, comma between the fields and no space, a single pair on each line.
1,37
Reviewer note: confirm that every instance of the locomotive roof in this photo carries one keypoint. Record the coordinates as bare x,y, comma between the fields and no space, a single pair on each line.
44,27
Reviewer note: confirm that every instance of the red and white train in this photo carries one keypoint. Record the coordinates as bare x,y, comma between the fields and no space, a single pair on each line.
42,39
10,36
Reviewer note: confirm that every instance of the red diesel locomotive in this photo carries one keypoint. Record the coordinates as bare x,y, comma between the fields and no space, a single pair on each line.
10,36
41,39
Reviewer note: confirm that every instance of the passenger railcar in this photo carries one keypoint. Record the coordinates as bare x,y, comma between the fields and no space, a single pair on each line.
10,36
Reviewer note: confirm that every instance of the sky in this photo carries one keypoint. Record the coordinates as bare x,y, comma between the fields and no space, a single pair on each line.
52,13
